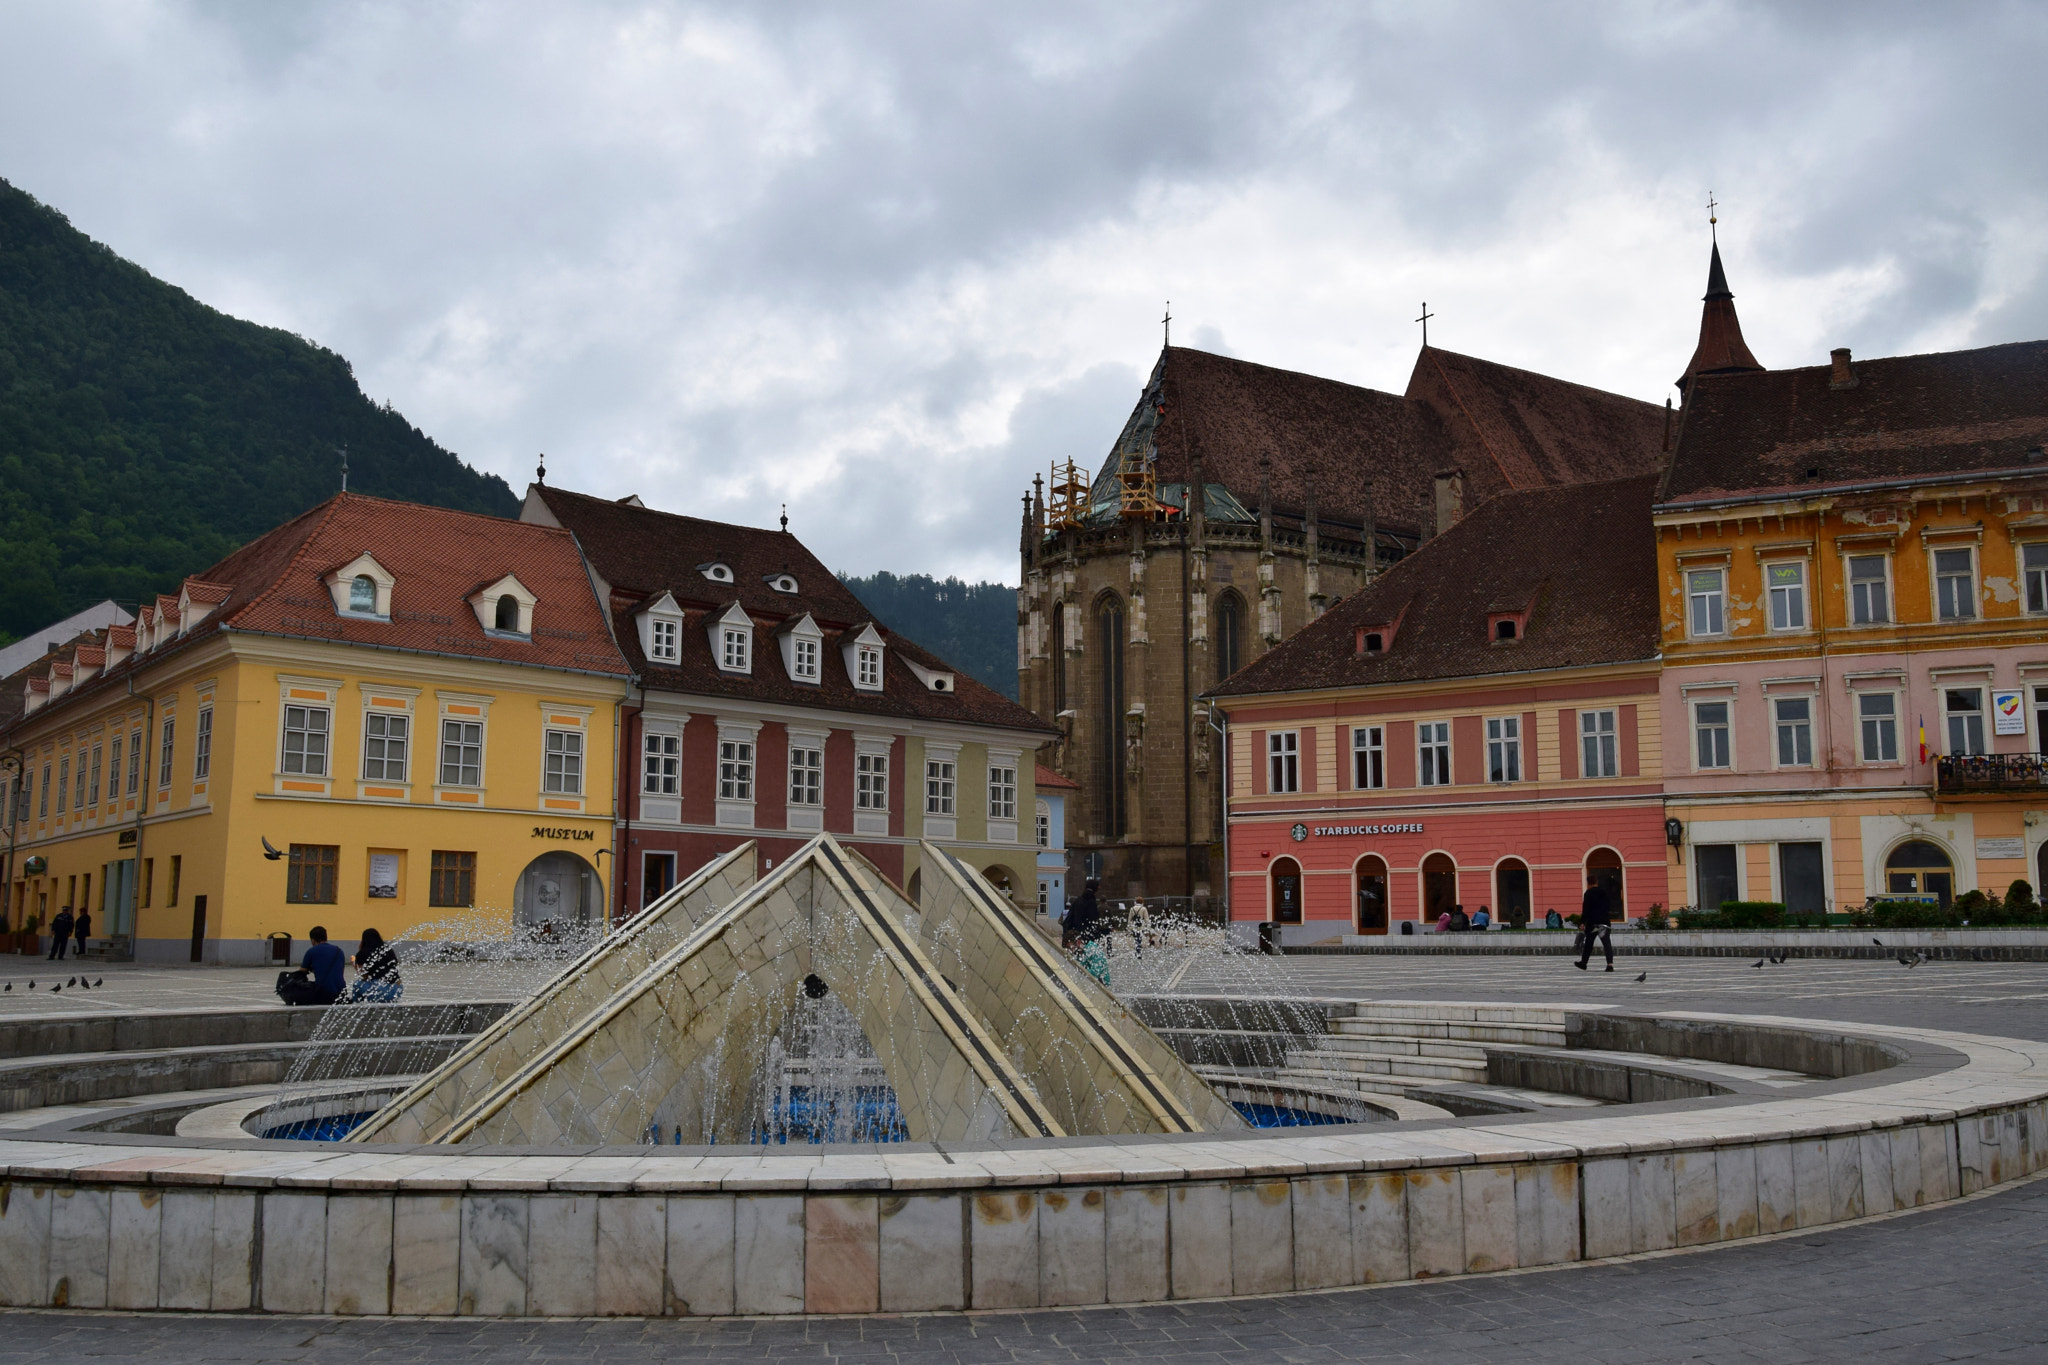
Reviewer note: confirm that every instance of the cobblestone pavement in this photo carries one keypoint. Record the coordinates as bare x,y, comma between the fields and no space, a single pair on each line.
1955,1283
129,986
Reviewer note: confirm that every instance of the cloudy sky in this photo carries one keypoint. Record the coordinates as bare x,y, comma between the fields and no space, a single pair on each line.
884,261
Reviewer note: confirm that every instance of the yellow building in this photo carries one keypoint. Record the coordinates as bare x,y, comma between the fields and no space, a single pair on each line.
1853,564
379,714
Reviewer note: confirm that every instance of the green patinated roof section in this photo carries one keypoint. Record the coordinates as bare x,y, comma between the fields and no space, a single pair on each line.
1138,443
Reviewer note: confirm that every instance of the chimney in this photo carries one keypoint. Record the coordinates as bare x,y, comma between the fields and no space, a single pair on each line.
1450,499
1843,377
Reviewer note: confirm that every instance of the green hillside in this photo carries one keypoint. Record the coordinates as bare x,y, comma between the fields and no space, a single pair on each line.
143,435
972,626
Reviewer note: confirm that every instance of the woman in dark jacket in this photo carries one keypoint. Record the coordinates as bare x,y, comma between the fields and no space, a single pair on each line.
377,976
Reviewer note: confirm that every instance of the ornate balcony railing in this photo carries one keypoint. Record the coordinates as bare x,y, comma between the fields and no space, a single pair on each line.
1990,772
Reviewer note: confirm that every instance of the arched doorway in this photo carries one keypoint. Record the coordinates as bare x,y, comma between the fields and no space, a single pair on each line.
1920,868
557,888
1511,891
1439,885
1603,868
1372,894
1286,891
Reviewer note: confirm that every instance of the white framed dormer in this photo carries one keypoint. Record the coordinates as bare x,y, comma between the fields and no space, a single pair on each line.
865,653
731,633
504,609
196,601
803,651
781,582
718,571
661,631
361,589
934,679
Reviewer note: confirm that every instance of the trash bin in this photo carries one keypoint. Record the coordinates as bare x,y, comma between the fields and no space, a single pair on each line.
281,948
1269,937
1407,926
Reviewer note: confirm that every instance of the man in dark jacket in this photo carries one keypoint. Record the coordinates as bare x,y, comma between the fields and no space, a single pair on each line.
60,934
1596,916
1084,919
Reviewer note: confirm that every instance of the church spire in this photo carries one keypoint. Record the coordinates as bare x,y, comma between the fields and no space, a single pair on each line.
1721,349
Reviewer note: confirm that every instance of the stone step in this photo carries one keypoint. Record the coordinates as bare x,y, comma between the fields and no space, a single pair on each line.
1372,1045
1527,1035
1426,1012
1420,1068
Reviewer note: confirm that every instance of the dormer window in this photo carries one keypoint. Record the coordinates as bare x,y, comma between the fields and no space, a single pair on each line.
507,617
1504,629
362,594
804,660
863,652
803,650
937,679
504,609
1503,626
732,640
717,572
665,641
361,588
782,582
870,671
1372,642
661,630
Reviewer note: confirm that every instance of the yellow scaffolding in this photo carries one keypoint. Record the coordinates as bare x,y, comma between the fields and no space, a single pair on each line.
1067,497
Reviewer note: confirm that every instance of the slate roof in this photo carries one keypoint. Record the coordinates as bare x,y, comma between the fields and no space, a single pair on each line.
1748,436
1721,347
641,553
1505,428
273,586
1581,561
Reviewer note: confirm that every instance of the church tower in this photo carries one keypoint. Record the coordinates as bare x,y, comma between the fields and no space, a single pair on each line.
1721,349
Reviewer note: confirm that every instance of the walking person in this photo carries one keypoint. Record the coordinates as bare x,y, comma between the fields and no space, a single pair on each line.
60,934
1596,917
81,931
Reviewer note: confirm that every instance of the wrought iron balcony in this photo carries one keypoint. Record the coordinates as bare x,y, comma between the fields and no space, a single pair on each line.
1990,772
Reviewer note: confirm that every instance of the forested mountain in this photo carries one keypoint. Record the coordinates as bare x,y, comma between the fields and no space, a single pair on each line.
972,626
143,435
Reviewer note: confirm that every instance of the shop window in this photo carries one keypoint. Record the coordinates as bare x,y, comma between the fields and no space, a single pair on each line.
1802,884
1439,885
451,879
309,877
1714,872
1286,891
1511,891
1372,894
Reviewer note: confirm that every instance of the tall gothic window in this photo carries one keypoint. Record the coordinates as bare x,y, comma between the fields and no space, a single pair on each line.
1229,635
1059,657
1109,766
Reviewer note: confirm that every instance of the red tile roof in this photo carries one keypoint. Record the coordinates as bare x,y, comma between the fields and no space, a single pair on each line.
642,553
1045,779
1760,435
1721,347
1580,561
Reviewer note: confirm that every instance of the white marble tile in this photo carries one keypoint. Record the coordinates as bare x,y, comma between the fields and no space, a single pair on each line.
1905,1145
426,1254
1261,1237
1073,1265
234,1250
1003,1226
1735,1197
1876,1155
492,1261
1436,1222
1939,1167
1777,1188
185,1271
923,1242
1845,1177
1547,1212
25,1244
561,1255
1488,1197
1135,1226
768,1253
1379,1226
1198,1223
700,1249
134,1237
359,1255
1696,1197
1810,1182
1606,1207
842,1256
1322,1232
294,1268
631,1242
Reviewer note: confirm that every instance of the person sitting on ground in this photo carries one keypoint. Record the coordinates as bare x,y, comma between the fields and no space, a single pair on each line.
1552,920
1459,923
1482,920
1443,922
376,970
317,980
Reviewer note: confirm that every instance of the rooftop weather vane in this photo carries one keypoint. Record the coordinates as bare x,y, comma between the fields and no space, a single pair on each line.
1424,320
1712,229
540,472
1167,322
785,516
343,451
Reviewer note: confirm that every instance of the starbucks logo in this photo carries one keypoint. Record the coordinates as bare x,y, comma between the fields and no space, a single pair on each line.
1298,833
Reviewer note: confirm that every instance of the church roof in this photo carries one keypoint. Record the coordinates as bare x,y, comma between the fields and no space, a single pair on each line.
1578,565
1721,347
1758,434
1505,428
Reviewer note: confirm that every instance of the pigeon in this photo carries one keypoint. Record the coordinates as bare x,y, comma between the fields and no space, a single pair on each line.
31,985
1878,941
1904,960
1644,977
9,986
1759,962
98,982
72,982
55,989
270,852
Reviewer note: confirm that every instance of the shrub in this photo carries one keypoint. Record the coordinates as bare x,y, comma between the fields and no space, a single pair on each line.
1913,915
1752,914
1655,917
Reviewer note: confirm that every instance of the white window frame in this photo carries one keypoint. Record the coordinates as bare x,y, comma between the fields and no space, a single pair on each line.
1982,689
871,780
1283,761
1002,791
202,746
462,744
941,785
1042,823
1863,733
1785,603
868,663
736,768
135,762
1433,753
1368,757
309,763
1936,577
661,763
806,774
1504,749
1600,742
805,656
735,649
1883,584
167,749
1796,730
664,640
404,741
2033,578
1714,602
1726,727
561,761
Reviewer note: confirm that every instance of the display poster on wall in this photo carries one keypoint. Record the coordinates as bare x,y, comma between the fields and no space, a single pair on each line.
384,876
2008,715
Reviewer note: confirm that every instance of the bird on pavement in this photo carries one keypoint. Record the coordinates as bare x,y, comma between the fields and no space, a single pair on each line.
55,989
72,982
1759,962
1644,977
10,986
98,982
31,985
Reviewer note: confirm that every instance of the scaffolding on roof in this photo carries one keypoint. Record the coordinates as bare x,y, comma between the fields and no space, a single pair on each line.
1067,497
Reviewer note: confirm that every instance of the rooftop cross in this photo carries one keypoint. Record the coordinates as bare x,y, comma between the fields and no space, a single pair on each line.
1167,322
343,452
1424,320
1711,219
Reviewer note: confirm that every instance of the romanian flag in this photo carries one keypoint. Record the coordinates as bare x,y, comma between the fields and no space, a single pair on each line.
1923,739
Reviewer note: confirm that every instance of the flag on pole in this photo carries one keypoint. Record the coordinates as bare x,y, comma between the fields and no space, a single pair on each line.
1923,739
